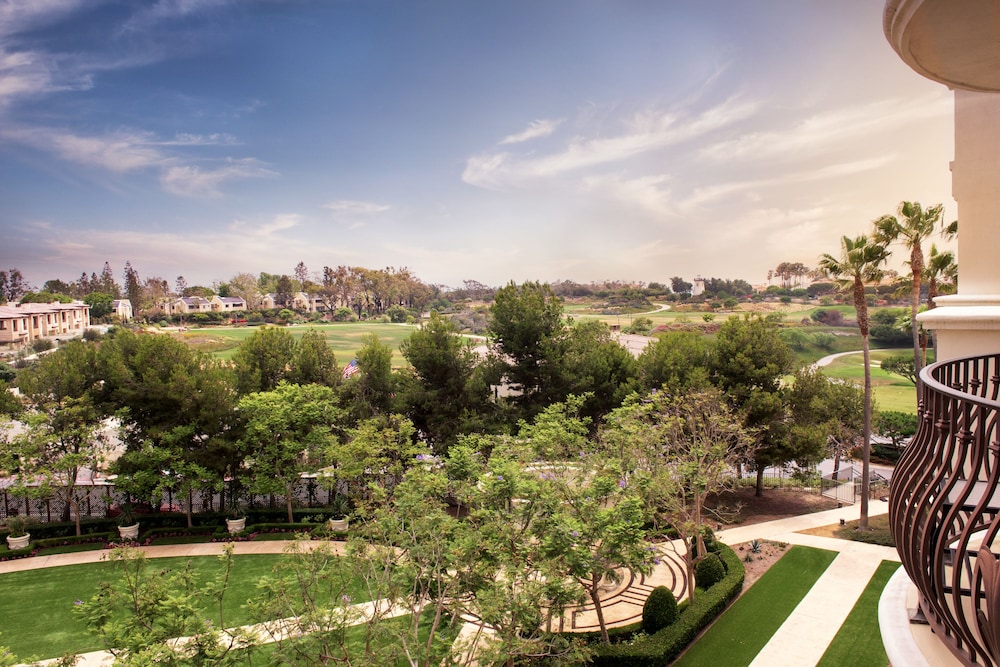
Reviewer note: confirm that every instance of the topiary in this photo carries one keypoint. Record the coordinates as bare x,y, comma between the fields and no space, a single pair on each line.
659,610
709,571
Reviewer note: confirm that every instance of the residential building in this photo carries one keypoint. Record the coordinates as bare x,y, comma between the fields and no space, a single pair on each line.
944,503
122,308
24,323
227,304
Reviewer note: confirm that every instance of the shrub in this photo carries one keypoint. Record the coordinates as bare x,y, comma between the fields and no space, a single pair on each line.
709,571
41,344
659,649
659,610
831,318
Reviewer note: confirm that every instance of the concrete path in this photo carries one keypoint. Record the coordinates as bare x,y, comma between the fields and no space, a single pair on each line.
806,634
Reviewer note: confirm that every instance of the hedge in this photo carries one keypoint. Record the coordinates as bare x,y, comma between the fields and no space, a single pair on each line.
659,649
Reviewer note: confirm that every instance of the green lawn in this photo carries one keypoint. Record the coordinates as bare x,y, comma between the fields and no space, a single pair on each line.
344,338
743,629
859,642
892,392
37,605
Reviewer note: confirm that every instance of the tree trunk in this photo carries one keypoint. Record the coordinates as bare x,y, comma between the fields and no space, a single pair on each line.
760,480
917,267
595,597
288,503
866,449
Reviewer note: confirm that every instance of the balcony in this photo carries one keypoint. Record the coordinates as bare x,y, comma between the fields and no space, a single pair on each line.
945,507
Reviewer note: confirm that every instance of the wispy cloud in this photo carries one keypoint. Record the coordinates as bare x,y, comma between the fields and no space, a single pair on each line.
650,193
19,15
536,129
166,10
644,132
830,129
352,213
193,181
214,139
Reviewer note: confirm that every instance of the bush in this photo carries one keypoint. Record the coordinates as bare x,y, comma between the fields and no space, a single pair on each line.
658,649
41,344
659,611
709,571
831,318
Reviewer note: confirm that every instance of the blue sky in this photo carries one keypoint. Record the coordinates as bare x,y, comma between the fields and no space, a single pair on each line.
524,139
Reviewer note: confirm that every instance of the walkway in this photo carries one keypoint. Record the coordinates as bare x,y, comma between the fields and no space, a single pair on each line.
808,631
799,642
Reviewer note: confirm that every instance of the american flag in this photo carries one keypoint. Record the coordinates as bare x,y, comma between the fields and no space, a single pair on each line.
351,368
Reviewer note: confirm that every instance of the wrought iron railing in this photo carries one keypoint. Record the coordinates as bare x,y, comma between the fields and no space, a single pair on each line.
945,506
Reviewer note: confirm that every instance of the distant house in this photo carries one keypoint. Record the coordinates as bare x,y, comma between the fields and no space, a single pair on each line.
227,304
310,303
122,308
24,323
191,304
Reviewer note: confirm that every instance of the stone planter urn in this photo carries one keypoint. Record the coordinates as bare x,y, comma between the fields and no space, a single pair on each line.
236,525
19,542
129,532
338,525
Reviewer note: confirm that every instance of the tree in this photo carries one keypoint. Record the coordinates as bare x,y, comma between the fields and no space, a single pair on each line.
912,227
263,359
283,292
372,390
101,304
171,401
106,283
899,365
941,274
676,361
444,396
244,286
315,362
288,431
595,364
679,286
12,286
677,450
747,364
860,263
825,414
526,328
133,287
64,427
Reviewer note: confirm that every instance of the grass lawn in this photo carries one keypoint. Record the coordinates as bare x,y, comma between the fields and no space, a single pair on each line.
37,605
859,642
892,392
344,338
743,630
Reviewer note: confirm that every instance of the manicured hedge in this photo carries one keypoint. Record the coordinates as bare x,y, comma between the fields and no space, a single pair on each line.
659,649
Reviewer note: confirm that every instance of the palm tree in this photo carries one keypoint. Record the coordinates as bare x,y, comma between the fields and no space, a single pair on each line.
860,263
913,226
941,273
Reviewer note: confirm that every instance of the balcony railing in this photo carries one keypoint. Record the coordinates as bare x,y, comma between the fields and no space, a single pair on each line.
945,506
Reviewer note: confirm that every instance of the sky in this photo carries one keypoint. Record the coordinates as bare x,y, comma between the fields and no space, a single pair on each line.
582,140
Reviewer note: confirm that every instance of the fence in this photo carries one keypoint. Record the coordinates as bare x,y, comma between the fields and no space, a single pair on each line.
101,501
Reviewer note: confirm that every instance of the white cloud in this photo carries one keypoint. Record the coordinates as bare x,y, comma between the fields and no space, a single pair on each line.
193,181
19,15
536,129
214,139
354,207
165,10
118,152
645,132
831,129
649,193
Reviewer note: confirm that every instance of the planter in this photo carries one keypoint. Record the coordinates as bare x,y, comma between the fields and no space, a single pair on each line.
236,525
18,542
129,532
338,525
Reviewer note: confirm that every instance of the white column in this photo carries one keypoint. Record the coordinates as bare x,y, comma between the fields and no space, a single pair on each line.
968,323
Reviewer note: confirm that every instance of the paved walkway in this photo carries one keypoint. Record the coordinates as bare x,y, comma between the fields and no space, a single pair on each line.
799,642
809,629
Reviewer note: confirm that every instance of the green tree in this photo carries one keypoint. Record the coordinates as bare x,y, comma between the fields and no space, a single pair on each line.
264,359
748,361
288,431
371,391
64,430
101,304
677,361
526,328
825,414
315,362
860,263
941,274
678,449
899,365
911,228
596,365
444,395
